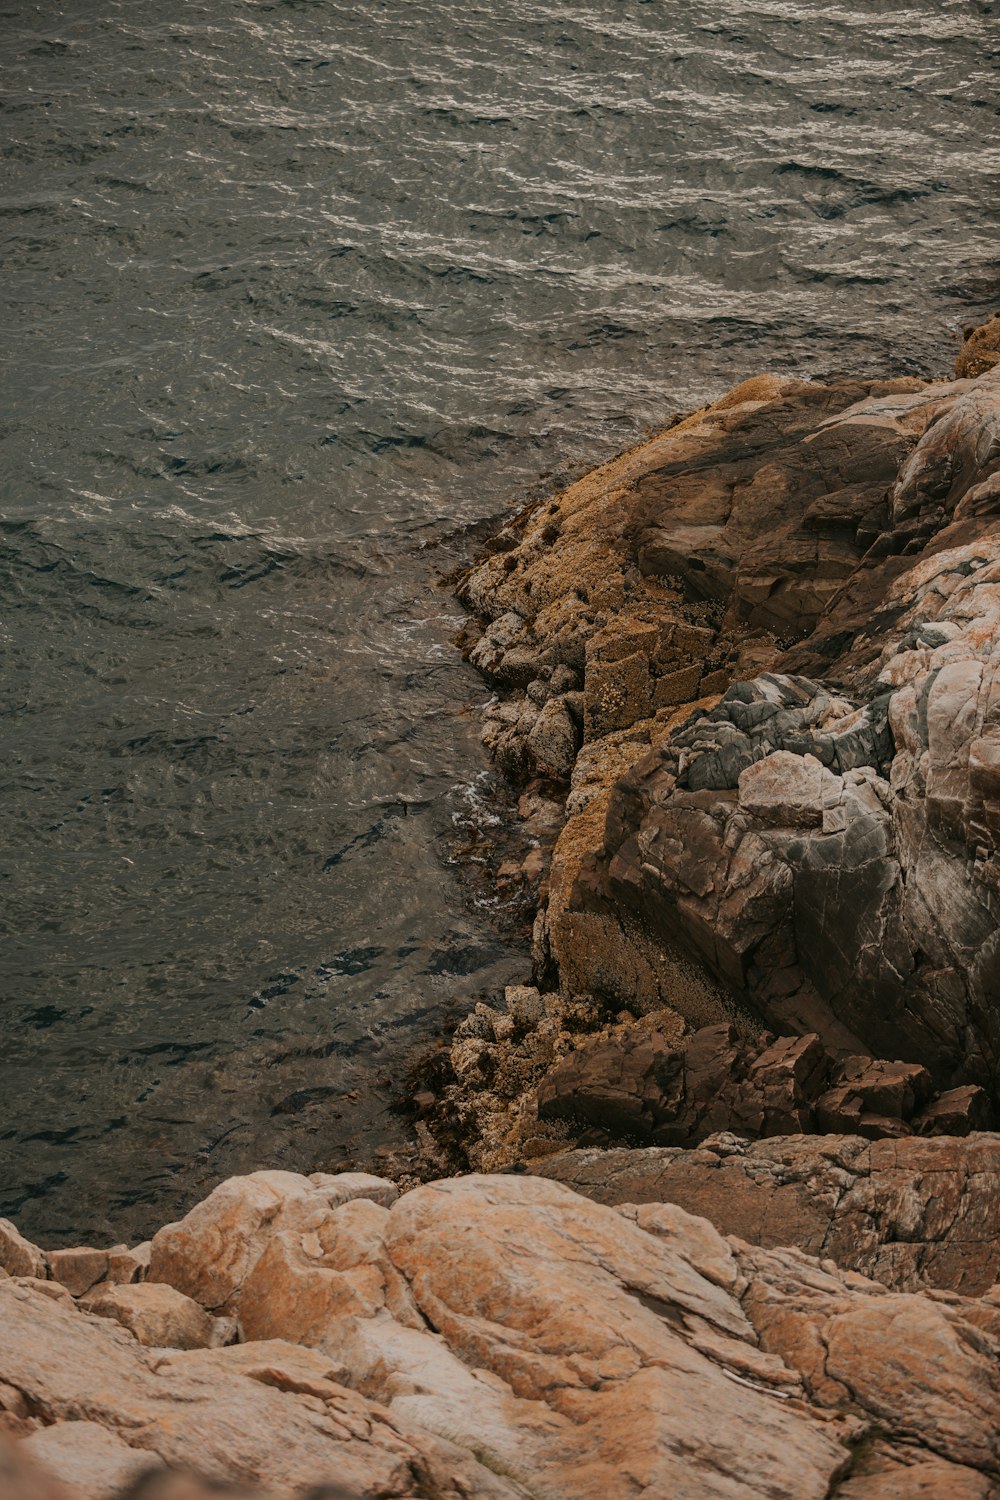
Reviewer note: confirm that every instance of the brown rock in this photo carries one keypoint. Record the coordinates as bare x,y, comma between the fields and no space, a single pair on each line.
981,350
88,1459
209,1254
680,686
607,1305
567,1348
633,1084
222,1427
23,1479
18,1256
824,841
78,1269
875,1350
920,1479
908,1213
157,1315
955,1112
129,1265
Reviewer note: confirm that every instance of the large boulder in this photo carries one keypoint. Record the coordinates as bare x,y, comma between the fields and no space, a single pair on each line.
909,1213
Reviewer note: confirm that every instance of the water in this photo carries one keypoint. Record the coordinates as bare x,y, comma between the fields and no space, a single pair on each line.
295,293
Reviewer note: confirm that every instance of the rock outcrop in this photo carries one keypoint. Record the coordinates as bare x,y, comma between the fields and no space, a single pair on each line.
503,1337
909,1213
770,640
634,1083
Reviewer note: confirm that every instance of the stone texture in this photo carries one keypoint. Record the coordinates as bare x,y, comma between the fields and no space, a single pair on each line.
908,1213
157,1315
494,1338
266,1428
78,1269
22,1478
88,1459
239,1218
634,1084
980,351
18,1256
822,841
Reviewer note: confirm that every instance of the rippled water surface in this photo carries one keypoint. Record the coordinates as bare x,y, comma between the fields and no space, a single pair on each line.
295,294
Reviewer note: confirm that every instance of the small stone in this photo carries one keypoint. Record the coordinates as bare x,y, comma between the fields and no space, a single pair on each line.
78,1269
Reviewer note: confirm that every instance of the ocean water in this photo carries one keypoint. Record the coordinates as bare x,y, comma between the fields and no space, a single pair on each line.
297,293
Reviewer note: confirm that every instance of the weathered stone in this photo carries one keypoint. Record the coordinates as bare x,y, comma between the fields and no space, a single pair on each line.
955,1112
554,740
565,1348
680,686
18,1256
909,1213
825,840
21,1478
157,1315
262,1426
237,1223
129,1265
616,694
78,1269
634,1085
90,1460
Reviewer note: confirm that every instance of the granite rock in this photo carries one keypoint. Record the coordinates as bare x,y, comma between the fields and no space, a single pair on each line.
514,1338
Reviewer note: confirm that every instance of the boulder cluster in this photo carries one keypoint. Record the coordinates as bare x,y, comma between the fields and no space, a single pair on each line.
507,1337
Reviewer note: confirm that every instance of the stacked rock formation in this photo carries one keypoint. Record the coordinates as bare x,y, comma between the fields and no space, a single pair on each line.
496,1338
634,1083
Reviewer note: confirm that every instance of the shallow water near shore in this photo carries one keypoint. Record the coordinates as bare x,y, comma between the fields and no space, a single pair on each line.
296,294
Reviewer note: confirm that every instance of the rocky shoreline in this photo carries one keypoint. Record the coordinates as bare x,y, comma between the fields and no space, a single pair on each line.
732,1223
750,675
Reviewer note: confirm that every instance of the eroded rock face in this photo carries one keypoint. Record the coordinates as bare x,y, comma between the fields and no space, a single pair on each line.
781,622
909,1213
487,1338
635,1084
